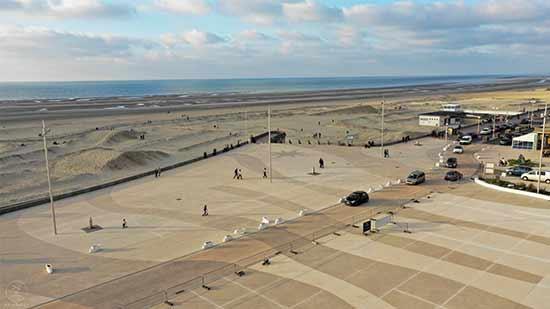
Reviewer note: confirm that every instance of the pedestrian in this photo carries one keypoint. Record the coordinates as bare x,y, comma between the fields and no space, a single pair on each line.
321,163
124,224
91,223
159,170
265,173
236,174
240,174
386,153
205,210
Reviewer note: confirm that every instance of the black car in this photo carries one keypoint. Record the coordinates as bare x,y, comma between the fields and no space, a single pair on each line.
356,198
453,176
451,163
518,170
505,141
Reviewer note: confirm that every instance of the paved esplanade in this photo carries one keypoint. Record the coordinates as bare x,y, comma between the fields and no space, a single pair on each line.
165,222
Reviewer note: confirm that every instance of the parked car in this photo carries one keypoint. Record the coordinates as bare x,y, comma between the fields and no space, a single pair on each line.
356,198
518,170
465,140
505,141
416,177
451,163
524,121
534,176
453,176
485,131
458,149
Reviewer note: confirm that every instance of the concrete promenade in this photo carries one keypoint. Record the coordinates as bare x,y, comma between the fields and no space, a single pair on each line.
460,250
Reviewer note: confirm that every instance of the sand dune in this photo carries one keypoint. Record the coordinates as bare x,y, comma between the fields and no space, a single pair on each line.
132,159
121,137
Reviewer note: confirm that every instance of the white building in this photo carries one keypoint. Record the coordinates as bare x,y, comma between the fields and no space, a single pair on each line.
451,107
440,119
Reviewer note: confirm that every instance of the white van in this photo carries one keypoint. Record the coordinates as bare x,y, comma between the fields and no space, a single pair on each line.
534,176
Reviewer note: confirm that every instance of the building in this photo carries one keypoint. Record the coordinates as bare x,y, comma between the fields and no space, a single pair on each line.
441,119
532,140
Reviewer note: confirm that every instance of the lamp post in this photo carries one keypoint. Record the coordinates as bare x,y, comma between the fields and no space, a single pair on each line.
44,132
542,145
382,131
269,142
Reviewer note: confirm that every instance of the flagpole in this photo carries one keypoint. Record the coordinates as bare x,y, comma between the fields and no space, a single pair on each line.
44,132
269,142
542,145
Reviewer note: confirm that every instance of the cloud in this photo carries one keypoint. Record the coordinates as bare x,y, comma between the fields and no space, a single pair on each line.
67,8
311,11
193,37
43,43
191,7
445,15
262,12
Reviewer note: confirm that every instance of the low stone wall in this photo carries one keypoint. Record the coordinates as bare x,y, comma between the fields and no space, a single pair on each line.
513,191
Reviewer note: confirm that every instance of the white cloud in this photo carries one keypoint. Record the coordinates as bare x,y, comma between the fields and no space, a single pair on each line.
67,8
192,7
262,12
193,37
43,43
311,11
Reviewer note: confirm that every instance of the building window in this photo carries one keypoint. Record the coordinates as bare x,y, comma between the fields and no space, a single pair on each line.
522,145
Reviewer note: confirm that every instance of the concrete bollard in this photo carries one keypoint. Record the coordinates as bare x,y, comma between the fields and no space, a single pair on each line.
265,220
207,245
279,221
388,184
227,238
370,190
49,268
94,248
262,226
302,213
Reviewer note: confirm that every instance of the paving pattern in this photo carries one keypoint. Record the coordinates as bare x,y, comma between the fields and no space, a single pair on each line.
469,247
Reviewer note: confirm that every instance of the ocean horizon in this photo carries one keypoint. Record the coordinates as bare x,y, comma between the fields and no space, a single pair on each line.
59,90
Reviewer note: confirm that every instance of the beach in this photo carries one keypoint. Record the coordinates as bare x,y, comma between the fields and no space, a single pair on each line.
95,140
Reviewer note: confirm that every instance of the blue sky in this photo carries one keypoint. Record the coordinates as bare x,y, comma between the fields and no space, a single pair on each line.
158,39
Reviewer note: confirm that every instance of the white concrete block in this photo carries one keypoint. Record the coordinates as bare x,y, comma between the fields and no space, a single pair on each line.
227,238
279,221
49,268
265,220
94,248
262,226
208,244
302,213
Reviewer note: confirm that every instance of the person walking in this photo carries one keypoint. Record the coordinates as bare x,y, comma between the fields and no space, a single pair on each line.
124,224
321,163
240,174
205,210
236,174
265,173
386,153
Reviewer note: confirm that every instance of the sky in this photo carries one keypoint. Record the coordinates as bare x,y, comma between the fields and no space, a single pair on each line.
50,40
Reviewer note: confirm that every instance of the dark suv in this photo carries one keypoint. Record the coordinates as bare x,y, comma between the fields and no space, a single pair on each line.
451,163
356,198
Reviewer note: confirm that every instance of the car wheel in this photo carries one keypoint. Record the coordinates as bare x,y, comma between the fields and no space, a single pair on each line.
547,181
525,178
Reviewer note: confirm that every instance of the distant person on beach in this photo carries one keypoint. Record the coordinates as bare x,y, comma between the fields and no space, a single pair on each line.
236,174
159,170
321,163
265,172
386,153
205,210
124,224
240,174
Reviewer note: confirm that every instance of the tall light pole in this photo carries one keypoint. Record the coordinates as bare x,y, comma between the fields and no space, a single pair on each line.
494,124
269,142
542,145
382,130
44,132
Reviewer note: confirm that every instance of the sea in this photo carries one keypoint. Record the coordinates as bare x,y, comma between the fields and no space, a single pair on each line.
10,91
